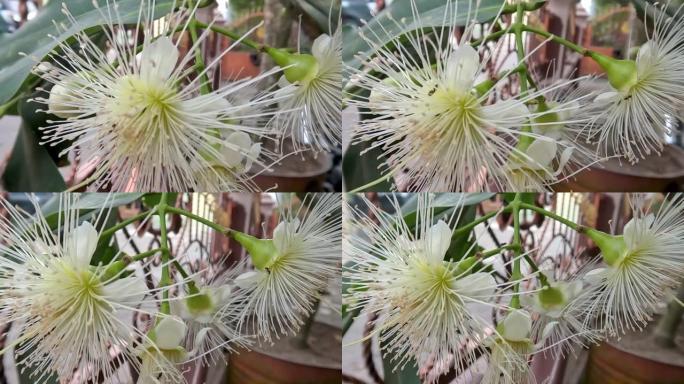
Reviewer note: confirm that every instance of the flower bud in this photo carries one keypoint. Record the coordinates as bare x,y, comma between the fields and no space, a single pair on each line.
613,248
263,252
297,67
551,298
622,74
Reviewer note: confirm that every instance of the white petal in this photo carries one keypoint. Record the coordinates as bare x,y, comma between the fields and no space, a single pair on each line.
541,153
629,231
517,326
569,110
249,279
231,155
573,289
606,97
645,57
508,112
321,45
437,240
253,156
83,241
221,294
462,67
158,59
209,104
594,276
478,285
547,330
170,332
127,291
280,236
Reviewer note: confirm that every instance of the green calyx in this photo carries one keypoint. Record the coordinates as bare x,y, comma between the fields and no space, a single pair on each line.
547,116
551,297
465,266
199,304
622,74
297,67
263,252
613,248
114,269
482,88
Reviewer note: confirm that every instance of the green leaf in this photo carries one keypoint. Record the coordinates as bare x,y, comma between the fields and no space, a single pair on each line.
359,170
30,167
408,375
106,250
462,243
320,11
87,203
442,204
150,200
33,39
526,197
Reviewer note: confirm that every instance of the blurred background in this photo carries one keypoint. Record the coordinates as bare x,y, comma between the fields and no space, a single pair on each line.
312,356
610,27
654,356
287,23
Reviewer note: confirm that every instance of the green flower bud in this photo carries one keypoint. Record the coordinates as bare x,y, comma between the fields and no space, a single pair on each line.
613,248
297,66
622,74
263,252
484,87
199,304
548,117
465,265
551,298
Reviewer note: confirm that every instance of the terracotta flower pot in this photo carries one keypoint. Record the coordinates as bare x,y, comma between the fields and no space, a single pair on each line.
636,359
652,174
285,363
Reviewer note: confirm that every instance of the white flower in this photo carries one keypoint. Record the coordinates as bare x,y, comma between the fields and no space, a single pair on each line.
631,119
533,169
297,264
312,112
425,304
433,122
560,324
73,317
511,348
642,266
212,315
143,122
558,154
163,351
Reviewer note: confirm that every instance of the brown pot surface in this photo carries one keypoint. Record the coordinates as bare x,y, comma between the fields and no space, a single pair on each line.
652,174
637,359
285,363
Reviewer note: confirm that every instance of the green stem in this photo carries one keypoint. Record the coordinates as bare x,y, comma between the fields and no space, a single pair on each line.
469,227
542,278
371,184
111,230
668,324
556,39
208,223
165,253
491,37
553,216
199,60
146,254
235,36
516,275
520,48
497,251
